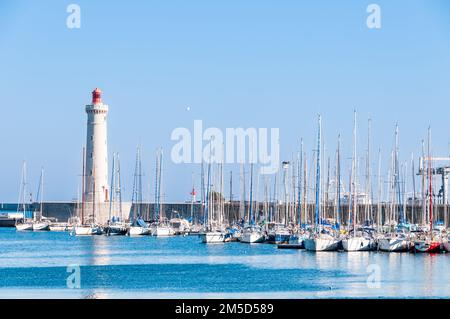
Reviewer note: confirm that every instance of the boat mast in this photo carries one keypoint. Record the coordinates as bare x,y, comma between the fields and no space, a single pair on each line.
338,182
242,192
355,194
327,193
160,209
157,199
93,192
83,177
137,186
423,184
368,212
230,206
380,190
285,182
250,221
402,218
206,221
430,178
319,143
305,189
22,192
113,187
300,165
414,190
119,186
41,193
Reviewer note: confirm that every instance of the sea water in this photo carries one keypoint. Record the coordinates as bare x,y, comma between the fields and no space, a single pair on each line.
57,265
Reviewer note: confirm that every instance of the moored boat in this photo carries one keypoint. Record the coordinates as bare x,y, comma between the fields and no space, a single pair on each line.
427,246
394,244
87,230
116,229
212,237
59,227
322,242
162,231
41,226
138,231
23,226
252,235
359,243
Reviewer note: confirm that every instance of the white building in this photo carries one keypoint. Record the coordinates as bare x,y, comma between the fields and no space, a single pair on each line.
96,151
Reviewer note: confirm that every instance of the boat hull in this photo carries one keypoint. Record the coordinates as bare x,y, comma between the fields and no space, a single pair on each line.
41,226
87,231
24,227
58,228
116,230
138,231
161,231
252,238
359,244
394,245
427,247
212,237
321,244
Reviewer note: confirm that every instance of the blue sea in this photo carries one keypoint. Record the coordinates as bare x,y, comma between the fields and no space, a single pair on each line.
57,265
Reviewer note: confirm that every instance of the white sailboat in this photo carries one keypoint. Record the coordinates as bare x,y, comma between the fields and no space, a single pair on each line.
161,227
138,226
361,241
25,224
394,243
212,232
356,240
322,242
90,227
116,226
252,234
319,239
40,224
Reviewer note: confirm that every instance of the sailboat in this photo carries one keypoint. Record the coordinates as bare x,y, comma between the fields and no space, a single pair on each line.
24,224
396,240
138,226
252,233
161,227
320,239
39,224
428,243
90,227
116,225
358,239
212,232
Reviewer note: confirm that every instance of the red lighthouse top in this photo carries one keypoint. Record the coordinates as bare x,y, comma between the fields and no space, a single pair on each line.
97,96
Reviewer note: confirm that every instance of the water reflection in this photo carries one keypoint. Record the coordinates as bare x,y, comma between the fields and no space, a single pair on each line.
114,266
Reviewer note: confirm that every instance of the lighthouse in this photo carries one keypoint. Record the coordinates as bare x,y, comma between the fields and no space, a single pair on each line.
96,166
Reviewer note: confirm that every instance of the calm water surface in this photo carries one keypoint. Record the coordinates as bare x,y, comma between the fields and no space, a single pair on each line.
34,265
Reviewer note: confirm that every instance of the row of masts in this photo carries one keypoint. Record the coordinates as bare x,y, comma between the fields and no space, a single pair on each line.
302,183
293,193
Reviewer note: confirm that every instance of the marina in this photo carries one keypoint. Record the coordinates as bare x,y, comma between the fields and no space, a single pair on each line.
235,150
182,267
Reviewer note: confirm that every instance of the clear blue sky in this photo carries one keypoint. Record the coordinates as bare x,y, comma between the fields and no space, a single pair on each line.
234,63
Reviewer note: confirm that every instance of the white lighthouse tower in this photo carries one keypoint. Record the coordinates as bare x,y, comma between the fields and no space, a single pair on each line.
96,168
